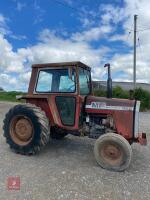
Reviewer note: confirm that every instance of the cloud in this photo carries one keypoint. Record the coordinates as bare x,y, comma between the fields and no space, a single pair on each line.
20,6
39,12
141,8
2,19
126,38
112,14
52,47
7,81
5,30
92,34
10,61
118,37
20,83
3,25
18,37
86,22
69,2
124,16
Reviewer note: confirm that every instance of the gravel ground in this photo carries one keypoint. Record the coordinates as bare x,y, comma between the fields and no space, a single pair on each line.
67,170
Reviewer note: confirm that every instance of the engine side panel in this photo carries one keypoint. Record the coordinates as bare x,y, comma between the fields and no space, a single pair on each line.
121,110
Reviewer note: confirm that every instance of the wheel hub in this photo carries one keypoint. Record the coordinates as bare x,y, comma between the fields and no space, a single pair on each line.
21,130
112,154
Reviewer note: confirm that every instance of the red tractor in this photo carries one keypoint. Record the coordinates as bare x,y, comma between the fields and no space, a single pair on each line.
60,102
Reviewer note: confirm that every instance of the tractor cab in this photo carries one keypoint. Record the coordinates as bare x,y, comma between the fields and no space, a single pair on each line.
64,87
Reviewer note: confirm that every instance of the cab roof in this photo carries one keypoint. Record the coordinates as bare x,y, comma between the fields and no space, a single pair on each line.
61,64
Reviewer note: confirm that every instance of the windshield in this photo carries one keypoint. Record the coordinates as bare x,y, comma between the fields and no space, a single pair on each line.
56,80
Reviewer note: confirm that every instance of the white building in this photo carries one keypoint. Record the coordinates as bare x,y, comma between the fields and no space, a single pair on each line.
123,85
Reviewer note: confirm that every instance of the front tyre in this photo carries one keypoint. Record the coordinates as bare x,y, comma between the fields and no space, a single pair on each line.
113,152
26,129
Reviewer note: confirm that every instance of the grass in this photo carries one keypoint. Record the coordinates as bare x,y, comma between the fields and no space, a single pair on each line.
10,96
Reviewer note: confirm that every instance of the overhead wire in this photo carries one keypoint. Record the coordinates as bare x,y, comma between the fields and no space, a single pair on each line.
141,30
140,47
66,5
127,29
79,10
128,36
74,8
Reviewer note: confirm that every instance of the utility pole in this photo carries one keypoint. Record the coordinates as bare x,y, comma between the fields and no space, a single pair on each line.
134,55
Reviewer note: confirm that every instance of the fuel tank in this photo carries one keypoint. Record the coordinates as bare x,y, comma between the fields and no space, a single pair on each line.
121,110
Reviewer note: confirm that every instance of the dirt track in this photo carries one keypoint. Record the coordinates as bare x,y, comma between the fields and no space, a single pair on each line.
67,170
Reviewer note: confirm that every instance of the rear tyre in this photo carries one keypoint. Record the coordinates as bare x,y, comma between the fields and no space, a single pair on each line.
26,129
113,152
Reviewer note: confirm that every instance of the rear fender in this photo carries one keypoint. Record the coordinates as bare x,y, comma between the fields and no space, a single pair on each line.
44,105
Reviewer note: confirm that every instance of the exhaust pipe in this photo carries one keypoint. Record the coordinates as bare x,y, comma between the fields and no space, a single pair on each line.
109,82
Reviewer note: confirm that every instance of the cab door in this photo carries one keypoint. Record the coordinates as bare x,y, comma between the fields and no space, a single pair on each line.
66,106
70,106
66,99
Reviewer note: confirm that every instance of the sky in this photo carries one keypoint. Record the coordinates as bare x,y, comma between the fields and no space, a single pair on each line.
94,32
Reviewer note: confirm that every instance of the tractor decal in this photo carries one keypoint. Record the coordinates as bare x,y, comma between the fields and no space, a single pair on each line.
104,106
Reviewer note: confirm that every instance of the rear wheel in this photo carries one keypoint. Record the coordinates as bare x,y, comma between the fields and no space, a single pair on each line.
26,129
113,152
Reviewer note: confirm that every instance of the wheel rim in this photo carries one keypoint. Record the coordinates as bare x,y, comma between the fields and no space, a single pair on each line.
21,130
111,154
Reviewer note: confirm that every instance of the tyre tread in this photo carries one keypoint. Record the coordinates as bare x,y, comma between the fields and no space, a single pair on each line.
42,120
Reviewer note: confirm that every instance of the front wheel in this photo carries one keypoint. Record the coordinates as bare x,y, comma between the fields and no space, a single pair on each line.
113,152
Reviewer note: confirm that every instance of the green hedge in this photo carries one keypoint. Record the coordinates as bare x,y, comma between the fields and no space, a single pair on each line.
118,92
9,96
144,97
139,94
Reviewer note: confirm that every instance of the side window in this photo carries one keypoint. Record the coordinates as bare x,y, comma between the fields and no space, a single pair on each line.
84,80
67,108
44,82
67,84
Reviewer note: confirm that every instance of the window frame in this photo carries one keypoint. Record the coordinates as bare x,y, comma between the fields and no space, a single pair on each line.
55,68
90,80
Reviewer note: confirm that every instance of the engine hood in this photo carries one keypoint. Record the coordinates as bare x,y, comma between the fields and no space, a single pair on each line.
122,111
103,103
